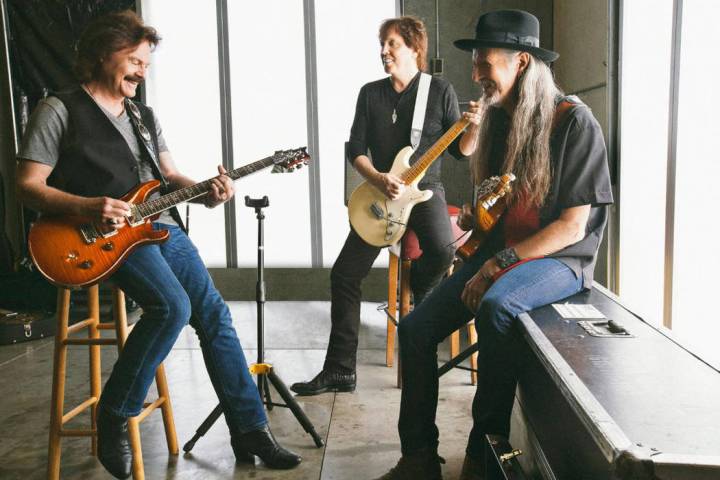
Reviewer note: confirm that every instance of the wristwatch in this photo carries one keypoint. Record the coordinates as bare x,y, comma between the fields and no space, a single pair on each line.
506,257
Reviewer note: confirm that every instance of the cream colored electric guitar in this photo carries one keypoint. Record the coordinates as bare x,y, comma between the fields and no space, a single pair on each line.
381,221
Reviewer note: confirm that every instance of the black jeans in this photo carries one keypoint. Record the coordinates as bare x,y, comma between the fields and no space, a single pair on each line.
431,223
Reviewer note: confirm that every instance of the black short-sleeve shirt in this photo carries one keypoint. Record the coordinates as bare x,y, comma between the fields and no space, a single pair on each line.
580,176
373,130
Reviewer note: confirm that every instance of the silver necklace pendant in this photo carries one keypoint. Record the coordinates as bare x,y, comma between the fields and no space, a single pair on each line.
394,116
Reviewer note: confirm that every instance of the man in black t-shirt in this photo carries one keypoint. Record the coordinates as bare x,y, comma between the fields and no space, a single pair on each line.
382,124
543,250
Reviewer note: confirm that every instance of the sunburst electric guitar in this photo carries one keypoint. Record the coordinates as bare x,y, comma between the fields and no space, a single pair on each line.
489,207
381,221
76,251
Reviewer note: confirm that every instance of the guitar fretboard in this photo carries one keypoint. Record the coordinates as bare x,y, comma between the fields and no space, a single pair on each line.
165,202
434,152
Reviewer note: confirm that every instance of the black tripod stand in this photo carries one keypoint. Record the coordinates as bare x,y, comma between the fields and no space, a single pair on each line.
264,371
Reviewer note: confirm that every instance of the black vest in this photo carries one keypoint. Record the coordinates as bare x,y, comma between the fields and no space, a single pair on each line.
95,159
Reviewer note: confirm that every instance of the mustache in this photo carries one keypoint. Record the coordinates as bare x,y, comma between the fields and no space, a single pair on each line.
489,95
135,78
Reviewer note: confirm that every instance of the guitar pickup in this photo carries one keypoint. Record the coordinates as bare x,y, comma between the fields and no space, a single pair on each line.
377,211
89,232
135,218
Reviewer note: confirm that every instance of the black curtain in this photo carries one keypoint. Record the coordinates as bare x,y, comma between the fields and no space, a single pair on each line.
42,35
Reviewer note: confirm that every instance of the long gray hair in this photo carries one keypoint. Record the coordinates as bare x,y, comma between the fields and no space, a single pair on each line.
528,141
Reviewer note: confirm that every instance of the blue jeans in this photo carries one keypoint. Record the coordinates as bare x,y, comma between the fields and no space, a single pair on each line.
173,287
522,289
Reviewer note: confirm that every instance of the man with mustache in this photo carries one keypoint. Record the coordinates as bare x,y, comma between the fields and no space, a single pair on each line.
82,150
543,250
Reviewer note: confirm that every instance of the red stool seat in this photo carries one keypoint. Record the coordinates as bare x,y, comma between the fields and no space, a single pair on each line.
399,275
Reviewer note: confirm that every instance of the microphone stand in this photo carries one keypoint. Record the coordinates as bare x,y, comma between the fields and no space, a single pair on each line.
264,371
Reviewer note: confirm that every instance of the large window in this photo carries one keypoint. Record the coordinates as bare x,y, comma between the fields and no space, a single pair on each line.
348,57
670,138
183,90
268,65
697,169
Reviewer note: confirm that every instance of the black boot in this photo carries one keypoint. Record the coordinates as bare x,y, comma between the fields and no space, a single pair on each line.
114,444
472,469
263,444
326,381
421,465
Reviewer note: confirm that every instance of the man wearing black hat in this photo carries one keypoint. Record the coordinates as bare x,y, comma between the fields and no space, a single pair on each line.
543,250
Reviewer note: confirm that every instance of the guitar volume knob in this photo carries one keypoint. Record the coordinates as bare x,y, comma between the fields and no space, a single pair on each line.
86,265
108,246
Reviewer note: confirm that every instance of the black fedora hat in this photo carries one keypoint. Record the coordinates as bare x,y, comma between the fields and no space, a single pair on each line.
511,29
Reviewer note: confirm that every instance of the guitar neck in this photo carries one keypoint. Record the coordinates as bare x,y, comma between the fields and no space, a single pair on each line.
412,173
166,202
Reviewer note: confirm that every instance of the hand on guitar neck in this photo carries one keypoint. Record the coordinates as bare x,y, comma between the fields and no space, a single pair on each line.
221,189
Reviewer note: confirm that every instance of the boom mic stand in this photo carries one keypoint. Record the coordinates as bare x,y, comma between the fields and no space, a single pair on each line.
263,370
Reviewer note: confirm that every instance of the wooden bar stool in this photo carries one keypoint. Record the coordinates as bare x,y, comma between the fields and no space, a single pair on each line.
401,258
62,340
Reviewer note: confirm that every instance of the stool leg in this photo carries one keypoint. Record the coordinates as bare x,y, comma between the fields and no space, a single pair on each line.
472,340
120,317
138,468
166,409
454,344
58,387
404,306
392,309
93,332
121,332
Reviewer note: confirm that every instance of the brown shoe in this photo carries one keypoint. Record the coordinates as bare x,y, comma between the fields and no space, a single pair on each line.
422,465
472,469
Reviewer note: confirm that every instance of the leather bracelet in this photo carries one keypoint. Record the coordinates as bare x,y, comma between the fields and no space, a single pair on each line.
507,257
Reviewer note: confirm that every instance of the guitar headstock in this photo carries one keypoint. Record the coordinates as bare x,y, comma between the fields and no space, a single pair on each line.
494,188
290,160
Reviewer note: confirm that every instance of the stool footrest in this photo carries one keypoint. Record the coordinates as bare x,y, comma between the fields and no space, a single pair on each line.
149,407
80,325
391,317
78,433
90,341
75,411
106,326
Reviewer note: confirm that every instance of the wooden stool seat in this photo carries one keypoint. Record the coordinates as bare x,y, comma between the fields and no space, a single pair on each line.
57,416
399,268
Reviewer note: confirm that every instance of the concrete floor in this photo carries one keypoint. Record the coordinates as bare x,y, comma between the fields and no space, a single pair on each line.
359,429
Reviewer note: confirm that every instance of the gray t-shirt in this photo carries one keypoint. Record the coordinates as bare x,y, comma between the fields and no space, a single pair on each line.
45,136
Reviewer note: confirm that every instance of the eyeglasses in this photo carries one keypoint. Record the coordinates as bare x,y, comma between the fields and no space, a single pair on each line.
135,112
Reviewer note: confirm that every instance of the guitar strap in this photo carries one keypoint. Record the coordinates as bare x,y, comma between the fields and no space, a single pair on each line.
142,133
419,112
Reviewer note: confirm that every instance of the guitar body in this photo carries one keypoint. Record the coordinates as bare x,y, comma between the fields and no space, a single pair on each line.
64,255
488,210
76,251
377,219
